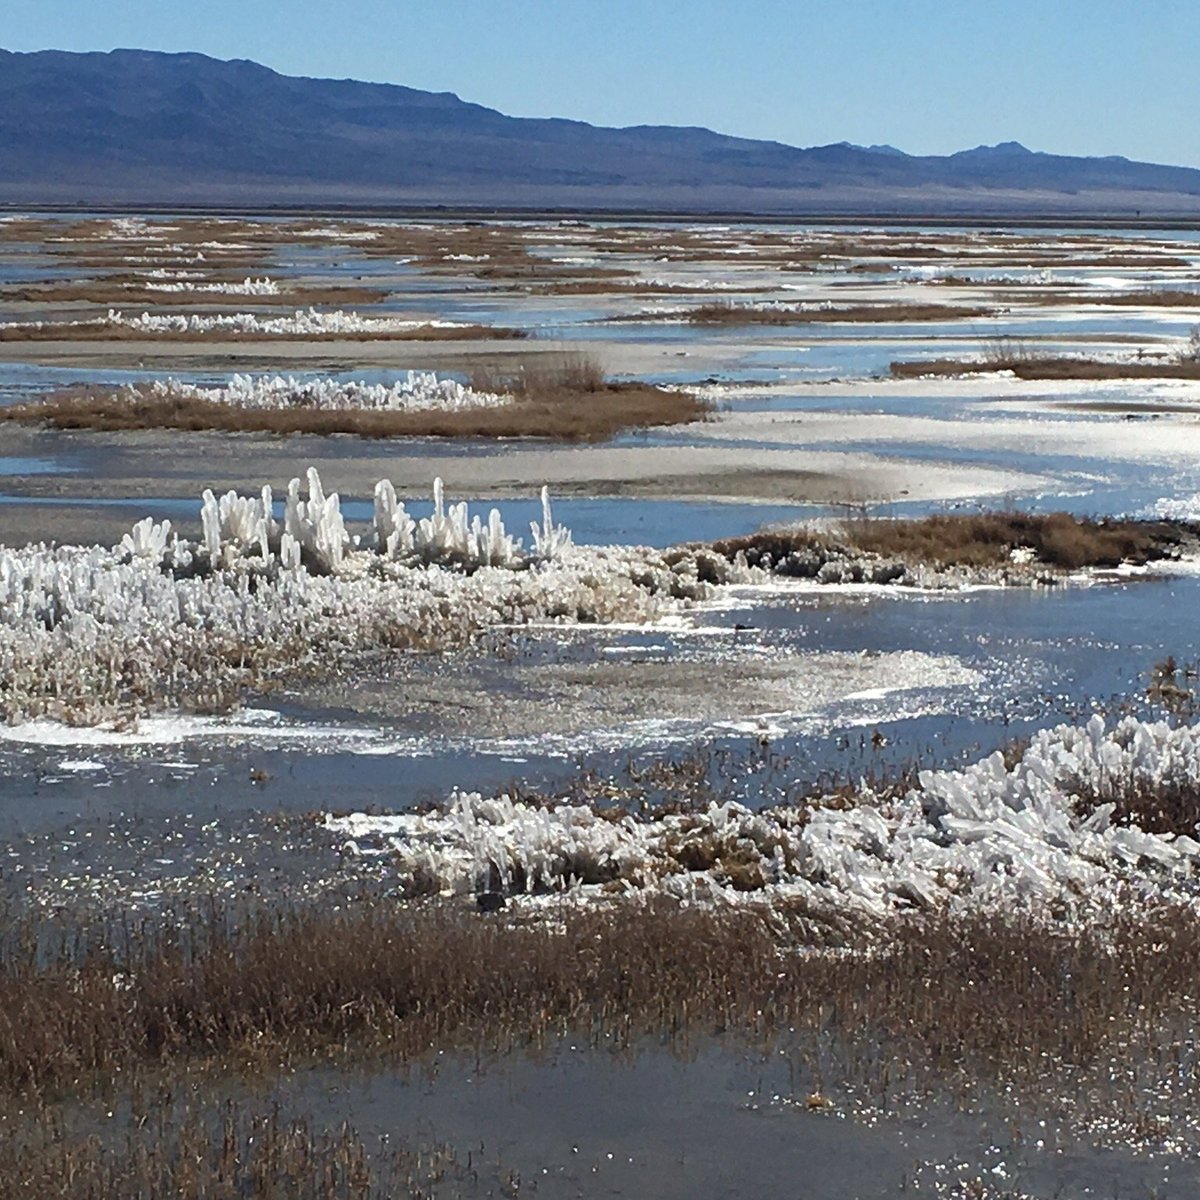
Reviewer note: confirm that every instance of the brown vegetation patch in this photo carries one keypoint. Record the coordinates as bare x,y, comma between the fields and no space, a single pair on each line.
1059,540
568,410
1157,298
725,313
1034,366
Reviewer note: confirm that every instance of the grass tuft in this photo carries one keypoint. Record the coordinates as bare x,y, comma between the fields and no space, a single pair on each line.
1059,540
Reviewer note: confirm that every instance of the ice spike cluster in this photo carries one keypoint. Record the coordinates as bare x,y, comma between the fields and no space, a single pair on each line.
1038,836
420,391
268,591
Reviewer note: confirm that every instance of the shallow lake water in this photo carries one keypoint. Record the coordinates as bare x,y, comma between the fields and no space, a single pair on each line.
774,691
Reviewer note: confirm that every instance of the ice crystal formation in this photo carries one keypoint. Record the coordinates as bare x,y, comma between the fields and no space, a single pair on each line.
87,633
302,322
420,391
1039,836
247,287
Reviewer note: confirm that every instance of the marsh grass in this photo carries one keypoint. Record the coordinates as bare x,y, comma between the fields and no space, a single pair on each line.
1045,366
724,312
1058,540
565,399
1014,998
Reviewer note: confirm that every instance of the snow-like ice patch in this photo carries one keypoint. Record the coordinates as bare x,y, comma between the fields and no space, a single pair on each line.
80,765
420,391
247,287
247,724
994,837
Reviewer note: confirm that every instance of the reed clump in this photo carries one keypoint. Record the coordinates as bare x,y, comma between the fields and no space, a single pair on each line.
1059,540
1013,993
569,400
724,312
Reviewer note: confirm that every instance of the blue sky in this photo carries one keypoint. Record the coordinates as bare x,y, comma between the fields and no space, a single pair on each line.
930,76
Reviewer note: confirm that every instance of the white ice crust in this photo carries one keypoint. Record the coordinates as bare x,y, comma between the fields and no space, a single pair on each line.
90,632
992,836
419,391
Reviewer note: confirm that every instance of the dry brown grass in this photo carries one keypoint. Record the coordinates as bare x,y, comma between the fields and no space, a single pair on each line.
983,1004
1159,298
727,313
1035,366
1011,997
572,404
172,1147
1059,540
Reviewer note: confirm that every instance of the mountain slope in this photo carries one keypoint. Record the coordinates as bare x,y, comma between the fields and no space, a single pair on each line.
135,126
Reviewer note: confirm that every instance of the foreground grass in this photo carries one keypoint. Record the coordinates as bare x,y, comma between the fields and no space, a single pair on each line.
406,980
985,1002
981,540
171,1147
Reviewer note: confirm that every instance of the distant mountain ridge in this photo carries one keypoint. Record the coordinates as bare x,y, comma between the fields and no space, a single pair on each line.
143,128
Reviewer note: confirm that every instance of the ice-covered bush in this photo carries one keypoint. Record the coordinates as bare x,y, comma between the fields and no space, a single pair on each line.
302,321
247,287
87,633
419,391
1038,836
